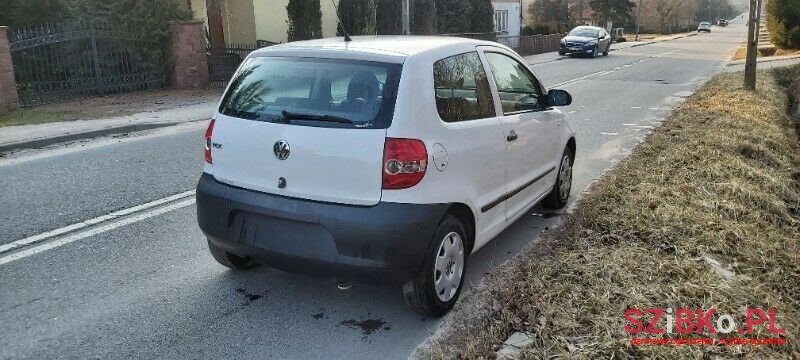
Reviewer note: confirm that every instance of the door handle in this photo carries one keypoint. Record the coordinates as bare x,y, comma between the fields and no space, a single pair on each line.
512,135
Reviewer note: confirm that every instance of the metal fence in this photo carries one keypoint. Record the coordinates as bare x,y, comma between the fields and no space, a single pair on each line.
532,44
223,62
524,45
75,59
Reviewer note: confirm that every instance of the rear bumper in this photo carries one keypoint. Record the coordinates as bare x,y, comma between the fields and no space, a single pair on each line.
384,242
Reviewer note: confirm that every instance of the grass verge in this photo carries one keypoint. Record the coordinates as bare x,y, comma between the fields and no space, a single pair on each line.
719,181
764,51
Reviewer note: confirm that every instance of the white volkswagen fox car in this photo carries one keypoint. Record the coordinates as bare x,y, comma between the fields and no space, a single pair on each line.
382,159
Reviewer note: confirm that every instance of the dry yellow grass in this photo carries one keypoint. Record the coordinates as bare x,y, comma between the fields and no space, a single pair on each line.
741,52
720,178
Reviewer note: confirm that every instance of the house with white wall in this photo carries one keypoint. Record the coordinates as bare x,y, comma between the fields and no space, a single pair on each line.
507,17
246,21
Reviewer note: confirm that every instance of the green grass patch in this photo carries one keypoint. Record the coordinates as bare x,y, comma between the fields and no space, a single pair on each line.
719,181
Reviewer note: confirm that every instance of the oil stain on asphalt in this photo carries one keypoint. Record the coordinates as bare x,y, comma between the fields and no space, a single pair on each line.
368,326
249,296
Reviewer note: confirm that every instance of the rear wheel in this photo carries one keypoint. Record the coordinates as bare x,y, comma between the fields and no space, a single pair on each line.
227,259
559,196
435,289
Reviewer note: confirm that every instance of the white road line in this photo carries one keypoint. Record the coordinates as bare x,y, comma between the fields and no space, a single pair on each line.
82,235
606,72
77,226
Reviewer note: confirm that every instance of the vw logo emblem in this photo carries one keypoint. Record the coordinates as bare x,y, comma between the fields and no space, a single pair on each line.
281,149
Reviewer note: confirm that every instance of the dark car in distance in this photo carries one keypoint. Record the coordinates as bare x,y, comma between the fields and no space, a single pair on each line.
586,40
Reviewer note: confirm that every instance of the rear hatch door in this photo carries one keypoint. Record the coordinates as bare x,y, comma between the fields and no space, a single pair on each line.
306,128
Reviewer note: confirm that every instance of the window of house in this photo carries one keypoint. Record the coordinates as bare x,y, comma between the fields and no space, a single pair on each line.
519,90
501,21
462,89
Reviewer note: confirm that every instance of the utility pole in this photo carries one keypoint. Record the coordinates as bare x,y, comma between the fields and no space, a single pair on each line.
638,20
406,18
753,24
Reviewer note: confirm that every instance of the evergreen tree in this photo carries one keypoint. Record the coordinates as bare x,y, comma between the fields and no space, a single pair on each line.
453,16
388,16
423,17
304,19
25,13
357,16
783,21
482,16
464,16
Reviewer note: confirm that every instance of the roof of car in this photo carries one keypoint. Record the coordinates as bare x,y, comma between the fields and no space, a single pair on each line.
382,44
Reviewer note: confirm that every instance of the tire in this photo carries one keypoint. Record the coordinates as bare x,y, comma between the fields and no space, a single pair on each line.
431,292
561,53
229,260
594,53
607,50
559,196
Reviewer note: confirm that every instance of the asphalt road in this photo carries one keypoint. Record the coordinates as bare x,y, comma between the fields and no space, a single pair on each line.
150,289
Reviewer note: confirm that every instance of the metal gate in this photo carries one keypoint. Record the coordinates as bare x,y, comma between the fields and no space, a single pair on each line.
223,62
75,59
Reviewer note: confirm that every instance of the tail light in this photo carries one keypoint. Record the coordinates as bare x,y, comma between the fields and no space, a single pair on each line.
207,150
404,163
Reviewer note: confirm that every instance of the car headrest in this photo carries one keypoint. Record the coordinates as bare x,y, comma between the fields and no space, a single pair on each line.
363,85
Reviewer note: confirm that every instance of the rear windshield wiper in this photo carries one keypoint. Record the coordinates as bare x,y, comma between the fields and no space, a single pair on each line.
298,116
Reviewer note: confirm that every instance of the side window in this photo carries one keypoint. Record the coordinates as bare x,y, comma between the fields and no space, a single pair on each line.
518,88
462,89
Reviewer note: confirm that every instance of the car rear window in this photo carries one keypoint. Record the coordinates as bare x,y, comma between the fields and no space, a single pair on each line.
314,90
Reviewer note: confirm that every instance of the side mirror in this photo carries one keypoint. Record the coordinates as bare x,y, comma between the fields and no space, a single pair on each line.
558,97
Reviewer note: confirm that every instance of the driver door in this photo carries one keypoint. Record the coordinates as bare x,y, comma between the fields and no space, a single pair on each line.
530,127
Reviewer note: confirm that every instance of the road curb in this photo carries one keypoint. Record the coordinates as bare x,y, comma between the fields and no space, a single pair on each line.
764,60
42,142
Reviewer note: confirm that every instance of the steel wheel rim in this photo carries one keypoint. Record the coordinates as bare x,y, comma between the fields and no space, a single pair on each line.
565,178
448,267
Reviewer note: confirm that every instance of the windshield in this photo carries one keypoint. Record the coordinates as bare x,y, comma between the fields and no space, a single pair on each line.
584,32
315,92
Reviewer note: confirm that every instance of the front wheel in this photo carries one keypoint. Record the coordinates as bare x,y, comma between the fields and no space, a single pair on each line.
435,289
605,53
559,196
594,52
